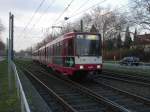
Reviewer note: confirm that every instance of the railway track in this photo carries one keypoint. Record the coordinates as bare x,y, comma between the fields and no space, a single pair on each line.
145,81
128,100
76,97
125,100
125,83
55,102
131,102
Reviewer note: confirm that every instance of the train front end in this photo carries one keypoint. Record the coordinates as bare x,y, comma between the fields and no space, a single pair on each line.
88,53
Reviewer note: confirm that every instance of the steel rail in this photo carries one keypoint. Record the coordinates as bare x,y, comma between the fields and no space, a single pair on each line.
136,97
132,96
127,78
87,91
104,99
131,75
99,98
64,103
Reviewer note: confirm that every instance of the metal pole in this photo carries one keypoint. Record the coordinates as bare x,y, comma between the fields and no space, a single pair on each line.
81,23
7,47
9,56
12,36
9,37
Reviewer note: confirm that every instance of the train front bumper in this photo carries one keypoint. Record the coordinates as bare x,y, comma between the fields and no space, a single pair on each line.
88,67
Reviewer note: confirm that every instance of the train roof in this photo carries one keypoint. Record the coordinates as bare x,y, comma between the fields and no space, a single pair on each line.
62,37
72,33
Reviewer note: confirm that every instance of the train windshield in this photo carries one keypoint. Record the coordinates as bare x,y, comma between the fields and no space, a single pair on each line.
88,45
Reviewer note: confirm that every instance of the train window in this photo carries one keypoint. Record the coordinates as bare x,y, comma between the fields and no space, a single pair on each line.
51,48
46,51
59,49
54,49
66,44
88,45
49,51
70,47
60,43
57,44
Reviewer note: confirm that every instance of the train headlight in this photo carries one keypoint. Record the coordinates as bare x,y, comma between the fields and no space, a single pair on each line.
98,66
81,66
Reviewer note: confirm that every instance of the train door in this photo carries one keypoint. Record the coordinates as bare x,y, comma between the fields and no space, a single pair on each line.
69,52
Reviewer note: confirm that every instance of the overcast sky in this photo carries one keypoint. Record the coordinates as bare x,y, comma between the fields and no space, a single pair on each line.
44,18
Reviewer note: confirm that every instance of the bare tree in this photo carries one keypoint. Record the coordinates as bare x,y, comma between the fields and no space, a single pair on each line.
68,27
109,23
128,40
76,26
87,21
141,13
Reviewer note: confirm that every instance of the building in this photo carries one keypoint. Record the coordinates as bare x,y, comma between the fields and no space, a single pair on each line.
143,42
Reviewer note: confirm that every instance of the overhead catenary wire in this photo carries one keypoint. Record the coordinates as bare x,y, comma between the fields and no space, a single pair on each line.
83,11
63,12
39,19
88,8
42,15
81,6
35,12
76,14
101,14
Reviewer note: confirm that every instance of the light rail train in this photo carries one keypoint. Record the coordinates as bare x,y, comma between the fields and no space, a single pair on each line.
73,53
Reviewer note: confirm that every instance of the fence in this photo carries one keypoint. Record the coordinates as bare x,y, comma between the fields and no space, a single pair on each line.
21,94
